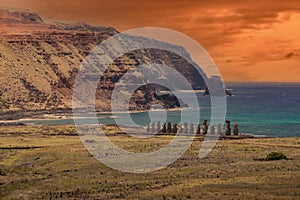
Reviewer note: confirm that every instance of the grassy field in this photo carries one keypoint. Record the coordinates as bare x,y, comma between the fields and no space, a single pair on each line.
50,162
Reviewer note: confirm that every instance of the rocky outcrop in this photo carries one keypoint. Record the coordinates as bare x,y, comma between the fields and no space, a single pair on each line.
9,16
39,62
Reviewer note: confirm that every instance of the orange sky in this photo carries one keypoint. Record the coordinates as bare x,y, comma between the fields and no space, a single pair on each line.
249,40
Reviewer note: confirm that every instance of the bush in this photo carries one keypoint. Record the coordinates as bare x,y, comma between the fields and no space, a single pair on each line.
2,172
2,102
275,156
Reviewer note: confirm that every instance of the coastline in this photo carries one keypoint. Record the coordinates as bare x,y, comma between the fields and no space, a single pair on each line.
53,116
13,115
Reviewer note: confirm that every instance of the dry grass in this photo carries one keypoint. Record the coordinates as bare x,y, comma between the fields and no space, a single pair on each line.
62,168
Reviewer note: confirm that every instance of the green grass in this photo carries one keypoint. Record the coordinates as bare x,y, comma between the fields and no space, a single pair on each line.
64,169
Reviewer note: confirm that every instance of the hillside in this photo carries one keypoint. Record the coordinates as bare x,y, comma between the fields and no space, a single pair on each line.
39,62
50,162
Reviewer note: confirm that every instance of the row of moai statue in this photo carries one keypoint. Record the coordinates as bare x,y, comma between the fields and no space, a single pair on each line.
228,128
190,128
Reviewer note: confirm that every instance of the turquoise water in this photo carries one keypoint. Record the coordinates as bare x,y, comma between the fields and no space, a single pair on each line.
266,108
261,109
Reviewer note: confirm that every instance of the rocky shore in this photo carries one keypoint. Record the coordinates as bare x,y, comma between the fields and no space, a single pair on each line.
21,114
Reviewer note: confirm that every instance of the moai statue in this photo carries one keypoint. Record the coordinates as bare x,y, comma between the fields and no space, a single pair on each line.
153,127
212,129
169,127
148,127
185,129
180,130
219,131
198,129
191,128
235,129
227,129
174,130
158,127
164,129
205,127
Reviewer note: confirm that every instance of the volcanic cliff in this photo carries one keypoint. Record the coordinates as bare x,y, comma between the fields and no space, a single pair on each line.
39,62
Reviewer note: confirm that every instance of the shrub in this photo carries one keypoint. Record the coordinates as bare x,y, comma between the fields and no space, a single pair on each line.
2,172
276,156
2,101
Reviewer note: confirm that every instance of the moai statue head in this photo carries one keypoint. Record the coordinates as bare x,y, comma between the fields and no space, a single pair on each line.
212,129
198,129
235,129
219,131
174,129
164,129
148,127
227,129
185,130
191,128
169,127
158,127
180,130
204,128
153,127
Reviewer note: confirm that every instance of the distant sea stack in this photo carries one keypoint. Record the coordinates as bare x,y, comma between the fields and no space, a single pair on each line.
39,62
227,92
217,86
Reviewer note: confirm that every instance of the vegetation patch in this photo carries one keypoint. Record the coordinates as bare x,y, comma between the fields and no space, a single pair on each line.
64,169
275,156
2,172
2,102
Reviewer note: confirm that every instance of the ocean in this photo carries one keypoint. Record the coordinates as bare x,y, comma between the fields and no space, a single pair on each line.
264,109
271,109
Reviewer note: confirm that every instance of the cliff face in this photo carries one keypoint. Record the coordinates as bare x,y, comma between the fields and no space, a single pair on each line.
39,62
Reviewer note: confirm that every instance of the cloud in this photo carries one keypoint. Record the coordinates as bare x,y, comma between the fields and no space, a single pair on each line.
289,55
246,32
